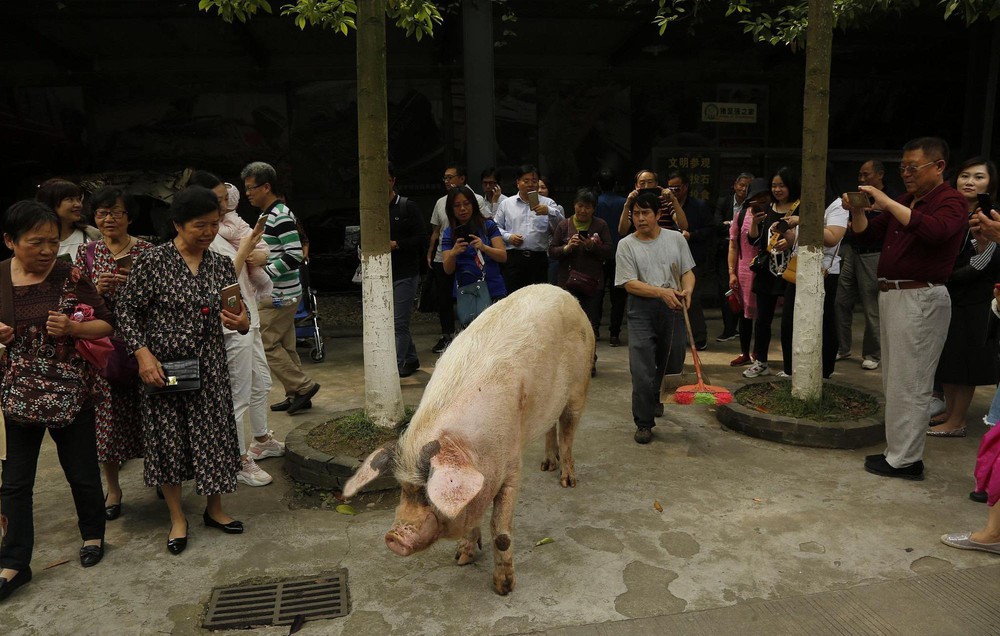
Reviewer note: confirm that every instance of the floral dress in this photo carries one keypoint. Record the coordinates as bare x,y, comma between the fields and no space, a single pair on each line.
119,433
176,314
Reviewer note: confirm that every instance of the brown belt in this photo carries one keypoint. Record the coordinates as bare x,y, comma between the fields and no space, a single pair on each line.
885,285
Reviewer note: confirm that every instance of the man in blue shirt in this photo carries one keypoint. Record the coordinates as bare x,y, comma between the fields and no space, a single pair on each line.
609,207
526,230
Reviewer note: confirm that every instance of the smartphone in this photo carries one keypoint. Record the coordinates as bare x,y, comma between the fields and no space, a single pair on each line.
533,198
584,234
781,226
462,232
985,204
123,264
65,257
858,200
261,221
231,298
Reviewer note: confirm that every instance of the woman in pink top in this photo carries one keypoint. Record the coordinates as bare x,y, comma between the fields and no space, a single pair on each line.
741,254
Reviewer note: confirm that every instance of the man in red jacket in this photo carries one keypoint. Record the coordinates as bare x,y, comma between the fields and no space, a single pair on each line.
920,234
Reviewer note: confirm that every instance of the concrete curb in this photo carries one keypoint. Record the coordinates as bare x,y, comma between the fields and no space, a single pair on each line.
305,464
801,431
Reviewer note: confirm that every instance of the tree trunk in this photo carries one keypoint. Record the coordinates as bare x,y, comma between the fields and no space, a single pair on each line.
807,340
383,397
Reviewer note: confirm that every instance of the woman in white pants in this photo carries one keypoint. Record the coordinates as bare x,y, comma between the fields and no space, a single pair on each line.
249,375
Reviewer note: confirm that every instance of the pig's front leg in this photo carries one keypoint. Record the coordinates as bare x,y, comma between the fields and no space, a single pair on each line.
551,461
469,546
502,526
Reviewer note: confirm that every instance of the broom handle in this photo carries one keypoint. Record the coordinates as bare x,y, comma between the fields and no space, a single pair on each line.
687,324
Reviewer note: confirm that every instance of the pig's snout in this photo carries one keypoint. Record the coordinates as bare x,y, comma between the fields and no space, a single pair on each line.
399,543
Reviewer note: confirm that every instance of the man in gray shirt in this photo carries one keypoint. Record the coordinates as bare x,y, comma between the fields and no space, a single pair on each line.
648,265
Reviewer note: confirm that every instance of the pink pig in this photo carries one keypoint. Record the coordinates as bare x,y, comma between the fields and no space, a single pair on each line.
522,365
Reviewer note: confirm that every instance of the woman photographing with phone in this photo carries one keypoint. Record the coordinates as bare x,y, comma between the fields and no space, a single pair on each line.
472,245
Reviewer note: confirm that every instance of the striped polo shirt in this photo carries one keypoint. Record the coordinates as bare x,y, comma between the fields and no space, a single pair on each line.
282,238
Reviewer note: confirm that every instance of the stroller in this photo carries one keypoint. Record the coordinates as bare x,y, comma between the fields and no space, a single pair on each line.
307,332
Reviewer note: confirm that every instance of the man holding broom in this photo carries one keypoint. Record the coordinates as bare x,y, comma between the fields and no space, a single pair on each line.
644,267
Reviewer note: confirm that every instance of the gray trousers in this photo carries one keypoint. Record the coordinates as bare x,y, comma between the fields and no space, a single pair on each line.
656,345
404,292
914,328
858,282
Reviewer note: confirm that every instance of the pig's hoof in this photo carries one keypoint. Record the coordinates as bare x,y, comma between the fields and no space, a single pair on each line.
549,464
466,552
568,481
503,584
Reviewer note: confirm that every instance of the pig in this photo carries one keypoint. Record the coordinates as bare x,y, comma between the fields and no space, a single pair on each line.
521,367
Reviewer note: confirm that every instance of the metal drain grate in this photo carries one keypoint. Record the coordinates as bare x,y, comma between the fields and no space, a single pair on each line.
314,598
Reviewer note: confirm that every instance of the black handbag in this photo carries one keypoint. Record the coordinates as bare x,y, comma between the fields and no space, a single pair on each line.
182,376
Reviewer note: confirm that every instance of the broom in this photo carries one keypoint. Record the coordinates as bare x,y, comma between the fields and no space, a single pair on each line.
699,393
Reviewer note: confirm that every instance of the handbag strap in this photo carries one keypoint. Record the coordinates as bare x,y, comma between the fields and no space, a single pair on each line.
6,294
89,258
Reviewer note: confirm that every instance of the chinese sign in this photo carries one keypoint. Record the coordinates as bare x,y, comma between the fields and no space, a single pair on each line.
727,112
699,167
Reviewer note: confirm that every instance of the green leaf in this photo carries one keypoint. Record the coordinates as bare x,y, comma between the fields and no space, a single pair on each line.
544,541
344,509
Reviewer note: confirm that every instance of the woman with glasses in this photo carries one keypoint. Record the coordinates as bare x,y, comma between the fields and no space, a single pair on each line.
107,262
66,198
966,360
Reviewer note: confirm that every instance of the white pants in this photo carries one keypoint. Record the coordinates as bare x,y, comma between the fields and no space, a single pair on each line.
250,379
913,326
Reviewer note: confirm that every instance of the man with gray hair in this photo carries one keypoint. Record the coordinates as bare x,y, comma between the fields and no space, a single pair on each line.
277,313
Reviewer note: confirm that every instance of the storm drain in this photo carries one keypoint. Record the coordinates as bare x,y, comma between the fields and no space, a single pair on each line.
279,603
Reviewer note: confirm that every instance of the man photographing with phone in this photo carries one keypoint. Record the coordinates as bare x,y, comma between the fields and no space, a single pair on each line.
920,234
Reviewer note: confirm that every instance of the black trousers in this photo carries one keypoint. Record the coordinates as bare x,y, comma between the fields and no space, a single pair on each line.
445,295
766,304
830,340
618,297
699,328
76,446
525,268
656,346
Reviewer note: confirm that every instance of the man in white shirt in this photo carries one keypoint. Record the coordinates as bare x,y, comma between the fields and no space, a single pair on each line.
491,192
527,229
454,177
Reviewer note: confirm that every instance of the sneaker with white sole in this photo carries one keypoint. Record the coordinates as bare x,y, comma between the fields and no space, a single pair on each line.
937,406
869,364
843,356
253,475
782,374
756,369
269,448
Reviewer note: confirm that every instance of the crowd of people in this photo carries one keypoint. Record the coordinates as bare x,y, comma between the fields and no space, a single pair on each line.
125,350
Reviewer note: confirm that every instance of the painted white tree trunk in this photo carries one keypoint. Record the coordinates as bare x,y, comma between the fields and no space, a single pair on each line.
807,334
383,397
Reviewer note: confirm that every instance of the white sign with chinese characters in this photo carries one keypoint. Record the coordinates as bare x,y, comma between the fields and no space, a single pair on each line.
729,113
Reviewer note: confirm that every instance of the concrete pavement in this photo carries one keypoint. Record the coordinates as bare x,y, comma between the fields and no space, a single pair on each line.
748,527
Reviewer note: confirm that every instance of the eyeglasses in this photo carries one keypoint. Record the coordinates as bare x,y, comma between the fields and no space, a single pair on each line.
250,188
448,177
115,213
912,169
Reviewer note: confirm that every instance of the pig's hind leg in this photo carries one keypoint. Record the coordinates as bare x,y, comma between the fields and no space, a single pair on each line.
551,461
568,422
502,528
469,546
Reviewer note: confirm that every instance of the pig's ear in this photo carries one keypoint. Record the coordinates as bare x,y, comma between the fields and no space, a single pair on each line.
379,463
453,483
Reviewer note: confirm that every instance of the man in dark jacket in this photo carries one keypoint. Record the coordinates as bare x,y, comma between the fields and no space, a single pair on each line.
699,234
407,239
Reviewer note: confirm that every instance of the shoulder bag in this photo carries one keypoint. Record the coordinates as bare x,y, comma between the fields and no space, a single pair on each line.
473,299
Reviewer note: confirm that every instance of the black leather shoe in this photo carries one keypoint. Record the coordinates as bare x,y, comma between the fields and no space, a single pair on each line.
233,527
409,368
176,546
979,496
91,555
113,511
643,435
283,405
881,467
7,587
302,401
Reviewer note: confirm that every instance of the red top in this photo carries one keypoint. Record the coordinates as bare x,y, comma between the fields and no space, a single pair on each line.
926,248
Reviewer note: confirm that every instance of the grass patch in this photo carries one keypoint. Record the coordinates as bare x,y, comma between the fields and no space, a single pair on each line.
354,435
839,403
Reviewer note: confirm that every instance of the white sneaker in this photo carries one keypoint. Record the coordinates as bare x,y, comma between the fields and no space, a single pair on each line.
937,406
782,374
263,450
843,356
758,368
253,475
869,364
